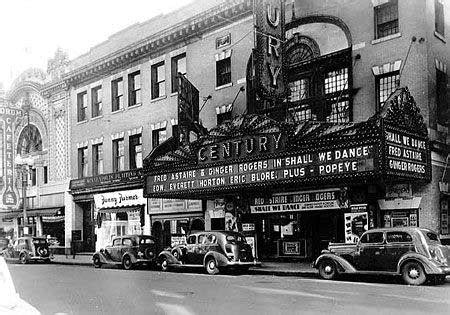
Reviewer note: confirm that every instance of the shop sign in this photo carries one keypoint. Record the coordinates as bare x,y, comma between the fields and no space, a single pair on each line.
158,206
124,177
8,120
188,107
293,168
444,216
355,225
406,155
177,240
268,54
119,199
241,148
291,248
358,207
301,201
248,227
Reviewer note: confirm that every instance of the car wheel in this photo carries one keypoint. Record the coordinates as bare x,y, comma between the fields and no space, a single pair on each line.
211,266
164,264
327,269
96,261
23,259
176,254
127,264
413,273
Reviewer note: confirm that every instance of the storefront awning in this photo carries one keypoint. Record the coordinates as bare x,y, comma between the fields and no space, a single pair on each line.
35,212
120,210
399,203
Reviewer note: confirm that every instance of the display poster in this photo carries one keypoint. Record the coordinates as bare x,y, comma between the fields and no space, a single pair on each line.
251,241
163,206
326,199
291,248
355,225
177,240
247,227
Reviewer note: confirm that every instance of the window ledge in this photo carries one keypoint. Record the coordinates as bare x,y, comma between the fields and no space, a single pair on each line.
82,122
386,38
224,86
118,111
174,94
158,98
97,117
135,105
440,36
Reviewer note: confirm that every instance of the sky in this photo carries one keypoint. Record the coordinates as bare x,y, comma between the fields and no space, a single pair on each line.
32,30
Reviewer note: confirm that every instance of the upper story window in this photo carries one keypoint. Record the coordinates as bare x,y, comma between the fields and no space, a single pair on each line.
178,66
158,80
45,175
118,155
134,88
386,19
33,177
82,162
82,106
97,159
385,85
443,102
159,136
96,101
223,71
136,151
117,94
30,140
439,20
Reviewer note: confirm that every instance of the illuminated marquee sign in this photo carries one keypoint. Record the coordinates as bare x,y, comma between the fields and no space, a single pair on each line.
8,120
406,155
268,54
292,168
302,201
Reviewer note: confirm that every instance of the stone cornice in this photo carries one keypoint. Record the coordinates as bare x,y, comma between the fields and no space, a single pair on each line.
219,16
53,87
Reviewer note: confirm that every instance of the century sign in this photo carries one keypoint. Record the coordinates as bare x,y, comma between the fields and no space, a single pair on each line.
8,120
295,167
268,54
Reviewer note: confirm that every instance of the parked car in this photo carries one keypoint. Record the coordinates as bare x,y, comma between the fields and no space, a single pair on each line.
212,250
414,253
28,248
128,251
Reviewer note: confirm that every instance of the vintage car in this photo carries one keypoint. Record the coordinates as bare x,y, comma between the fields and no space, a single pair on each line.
28,248
212,250
128,251
414,253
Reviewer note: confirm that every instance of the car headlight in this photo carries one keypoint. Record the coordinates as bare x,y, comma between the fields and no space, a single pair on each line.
140,254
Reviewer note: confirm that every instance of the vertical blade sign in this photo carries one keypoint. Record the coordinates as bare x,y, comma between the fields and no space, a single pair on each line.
268,53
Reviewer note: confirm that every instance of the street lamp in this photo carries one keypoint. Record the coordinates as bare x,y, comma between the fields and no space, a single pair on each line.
24,164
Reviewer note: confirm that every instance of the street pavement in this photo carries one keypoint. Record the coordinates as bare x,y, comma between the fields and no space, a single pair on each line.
67,289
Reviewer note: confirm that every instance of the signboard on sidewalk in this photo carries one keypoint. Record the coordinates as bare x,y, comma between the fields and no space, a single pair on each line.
356,224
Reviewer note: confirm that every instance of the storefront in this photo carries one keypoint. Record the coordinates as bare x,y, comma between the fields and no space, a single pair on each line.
293,188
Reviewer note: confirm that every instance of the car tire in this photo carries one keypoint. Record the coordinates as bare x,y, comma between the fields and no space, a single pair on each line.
164,264
211,266
327,269
413,273
96,262
23,259
127,264
176,254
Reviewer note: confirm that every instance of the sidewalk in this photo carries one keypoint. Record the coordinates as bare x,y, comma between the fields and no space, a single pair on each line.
266,268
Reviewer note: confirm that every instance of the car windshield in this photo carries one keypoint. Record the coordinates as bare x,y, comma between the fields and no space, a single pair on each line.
39,241
233,239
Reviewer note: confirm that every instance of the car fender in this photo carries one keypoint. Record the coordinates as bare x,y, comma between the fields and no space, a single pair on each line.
132,256
103,257
342,264
221,260
168,255
429,267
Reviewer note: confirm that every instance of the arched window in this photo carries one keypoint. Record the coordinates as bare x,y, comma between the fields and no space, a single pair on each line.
29,140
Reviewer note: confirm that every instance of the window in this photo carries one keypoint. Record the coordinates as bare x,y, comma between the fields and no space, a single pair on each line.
127,242
385,85
201,239
136,151
375,237
398,237
33,177
191,239
117,94
118,155
45,174
134,88
178,66
147,240
158,80
117,242
386,19
82,106
442,97
223,71
82,162
439,16
96,101
97,159
158,137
